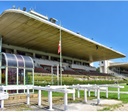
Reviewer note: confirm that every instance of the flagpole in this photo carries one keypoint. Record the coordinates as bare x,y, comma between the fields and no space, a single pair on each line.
60,56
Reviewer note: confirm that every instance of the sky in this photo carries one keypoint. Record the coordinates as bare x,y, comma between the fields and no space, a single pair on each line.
106,22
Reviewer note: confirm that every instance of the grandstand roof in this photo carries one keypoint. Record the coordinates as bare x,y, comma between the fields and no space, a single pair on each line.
119,64
21,28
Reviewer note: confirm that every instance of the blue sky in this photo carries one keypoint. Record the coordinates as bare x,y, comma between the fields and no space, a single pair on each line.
104,22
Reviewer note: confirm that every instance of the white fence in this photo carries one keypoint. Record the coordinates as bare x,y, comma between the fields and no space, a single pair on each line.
62,89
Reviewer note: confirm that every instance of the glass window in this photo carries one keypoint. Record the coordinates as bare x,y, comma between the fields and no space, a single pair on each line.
12,76
3,60
3,76
11,60
28,77
21,76
28,62
20,61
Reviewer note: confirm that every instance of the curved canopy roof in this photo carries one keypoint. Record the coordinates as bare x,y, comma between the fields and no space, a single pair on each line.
12,60
21,28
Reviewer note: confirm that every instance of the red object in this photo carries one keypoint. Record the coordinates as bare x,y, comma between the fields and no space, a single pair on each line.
59,50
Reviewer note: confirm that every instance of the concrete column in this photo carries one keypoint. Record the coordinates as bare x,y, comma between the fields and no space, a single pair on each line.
15,51
34,55
73,61
49,57
39,97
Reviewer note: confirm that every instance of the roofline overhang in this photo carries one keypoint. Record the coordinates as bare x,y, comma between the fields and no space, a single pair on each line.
59,27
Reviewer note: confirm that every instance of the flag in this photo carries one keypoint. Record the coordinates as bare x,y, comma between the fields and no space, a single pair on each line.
59,48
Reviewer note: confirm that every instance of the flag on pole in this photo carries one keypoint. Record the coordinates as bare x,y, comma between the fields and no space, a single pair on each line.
59,48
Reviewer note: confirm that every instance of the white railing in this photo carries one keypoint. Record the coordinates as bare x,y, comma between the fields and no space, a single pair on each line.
62,89
3,96
50,89
14,87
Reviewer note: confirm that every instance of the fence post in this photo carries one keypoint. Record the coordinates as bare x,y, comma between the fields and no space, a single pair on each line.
98,95
118,92
78,91
95,91
73,95
2,104
39,97
85,95
28,96
50,100
65,100
106,92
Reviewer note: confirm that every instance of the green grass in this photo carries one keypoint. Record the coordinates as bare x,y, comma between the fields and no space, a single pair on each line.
69,80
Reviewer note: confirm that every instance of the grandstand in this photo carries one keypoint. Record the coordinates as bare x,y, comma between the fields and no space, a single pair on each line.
29,33
117,69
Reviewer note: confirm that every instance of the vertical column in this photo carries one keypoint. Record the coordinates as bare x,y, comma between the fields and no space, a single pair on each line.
78,91
50,100
106,92
89,92
34,55
98,95
52,74
65,101
73,93
6,76
15,51
2,104
28,97
85,95
49,57
33,78
0,58
17,79
39,97
95,91
24,79
118,92
72,61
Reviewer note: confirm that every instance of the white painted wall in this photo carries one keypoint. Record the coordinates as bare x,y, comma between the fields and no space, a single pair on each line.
104,66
